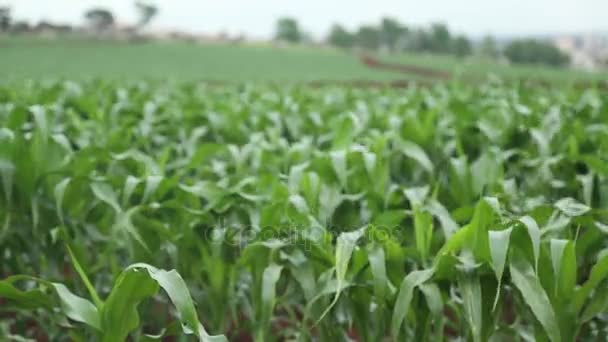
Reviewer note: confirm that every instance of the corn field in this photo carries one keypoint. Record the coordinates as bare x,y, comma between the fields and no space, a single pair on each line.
147,211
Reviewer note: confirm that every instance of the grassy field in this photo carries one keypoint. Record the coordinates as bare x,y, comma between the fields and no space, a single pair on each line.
179,61
78,59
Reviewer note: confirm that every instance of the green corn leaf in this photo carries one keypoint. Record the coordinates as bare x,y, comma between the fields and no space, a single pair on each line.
534,233
130,185
303,272
7,172
119,315
483,218
74,307
413,151
59,192
152,183
417,195
270,277
106,194
423,228
404,298
40,117
563,259
598,273
571,207
344,250
499,246
378,268
448,225
528,284
85,279
138,282
338,161
77,308
470,290
598,304
124,222
29,299
432,293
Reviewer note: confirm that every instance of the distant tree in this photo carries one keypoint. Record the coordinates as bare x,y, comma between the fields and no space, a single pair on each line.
417,40
21,26
461,46
368,37
532,51
439,38
100,19
307,38
147,12
340,37
488,47
391,31
5,19
288,30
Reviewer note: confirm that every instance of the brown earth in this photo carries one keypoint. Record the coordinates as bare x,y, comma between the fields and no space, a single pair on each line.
374,63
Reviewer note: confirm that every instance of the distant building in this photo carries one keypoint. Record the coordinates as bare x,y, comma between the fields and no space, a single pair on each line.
589,51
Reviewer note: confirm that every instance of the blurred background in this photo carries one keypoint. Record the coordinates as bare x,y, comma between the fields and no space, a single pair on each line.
314,40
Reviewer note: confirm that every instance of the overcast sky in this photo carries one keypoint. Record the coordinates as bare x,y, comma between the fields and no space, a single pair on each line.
256,17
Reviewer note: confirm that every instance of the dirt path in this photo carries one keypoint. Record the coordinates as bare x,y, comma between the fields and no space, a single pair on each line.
373,62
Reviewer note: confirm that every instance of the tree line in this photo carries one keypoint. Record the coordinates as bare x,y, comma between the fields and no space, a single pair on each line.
388,35
98,19
393,36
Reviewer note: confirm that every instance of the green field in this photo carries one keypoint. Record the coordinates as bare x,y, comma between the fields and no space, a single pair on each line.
179,61
138,203
81,59
134,211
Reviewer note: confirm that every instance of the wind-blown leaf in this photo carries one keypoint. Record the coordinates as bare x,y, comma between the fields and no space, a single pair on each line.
412,150
499,246
344,250
448,225
152,183
77,308
130,185
416,195
571,207
106,194
534,233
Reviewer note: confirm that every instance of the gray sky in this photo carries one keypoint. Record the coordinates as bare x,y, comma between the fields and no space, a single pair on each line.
256,18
